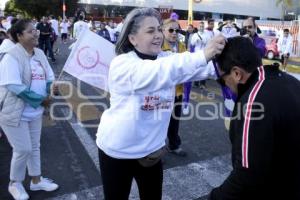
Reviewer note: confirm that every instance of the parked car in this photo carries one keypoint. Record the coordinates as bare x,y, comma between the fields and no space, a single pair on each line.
270,36
272,48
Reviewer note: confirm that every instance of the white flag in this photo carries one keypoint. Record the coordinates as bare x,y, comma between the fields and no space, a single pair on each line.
90,58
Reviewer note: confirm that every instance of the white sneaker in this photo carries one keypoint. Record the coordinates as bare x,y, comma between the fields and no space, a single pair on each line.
17,190
45,184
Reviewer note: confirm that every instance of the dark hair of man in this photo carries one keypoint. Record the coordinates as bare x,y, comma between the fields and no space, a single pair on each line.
13,21
286,30
80,17
210,21
239,51
252,20
18,28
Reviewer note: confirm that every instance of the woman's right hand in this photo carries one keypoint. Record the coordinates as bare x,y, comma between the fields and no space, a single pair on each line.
214,47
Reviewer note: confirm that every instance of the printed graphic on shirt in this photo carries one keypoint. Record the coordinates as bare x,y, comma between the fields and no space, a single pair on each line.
37,71
156,103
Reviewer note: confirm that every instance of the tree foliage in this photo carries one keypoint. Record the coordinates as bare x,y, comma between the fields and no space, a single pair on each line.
39,8
285,3
11,9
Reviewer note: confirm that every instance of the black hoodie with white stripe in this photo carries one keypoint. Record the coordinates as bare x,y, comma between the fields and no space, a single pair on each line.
265,137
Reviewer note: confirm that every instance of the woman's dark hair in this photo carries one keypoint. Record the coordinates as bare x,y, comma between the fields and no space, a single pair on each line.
131,26
18,28
239,51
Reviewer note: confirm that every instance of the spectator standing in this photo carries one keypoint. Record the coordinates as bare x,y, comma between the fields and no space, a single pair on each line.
25,82
103,32
44,39
79,26
285,44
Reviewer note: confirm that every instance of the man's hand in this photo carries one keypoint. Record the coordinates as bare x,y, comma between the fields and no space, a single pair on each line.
214,47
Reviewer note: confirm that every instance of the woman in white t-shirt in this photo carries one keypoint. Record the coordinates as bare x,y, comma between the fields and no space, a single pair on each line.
142,78
25,82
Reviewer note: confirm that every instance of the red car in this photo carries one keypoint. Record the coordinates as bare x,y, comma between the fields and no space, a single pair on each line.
271,43
272,49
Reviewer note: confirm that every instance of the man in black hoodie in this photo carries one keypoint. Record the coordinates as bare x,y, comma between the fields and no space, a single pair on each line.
265,127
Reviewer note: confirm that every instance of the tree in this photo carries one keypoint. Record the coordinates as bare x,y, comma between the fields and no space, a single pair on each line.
284,5
11,9
39,8
287,3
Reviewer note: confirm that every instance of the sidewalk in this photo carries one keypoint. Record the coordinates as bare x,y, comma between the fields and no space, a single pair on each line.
63,159
292,67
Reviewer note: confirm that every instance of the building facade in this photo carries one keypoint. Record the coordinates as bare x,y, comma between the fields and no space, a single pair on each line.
264,9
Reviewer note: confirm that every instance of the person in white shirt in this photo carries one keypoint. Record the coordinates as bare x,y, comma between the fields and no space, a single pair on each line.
25,83
284,44
119,29
64,25
120,26
112,31
142,78
54,24
79,26
198,43
199,40
7,24
209,33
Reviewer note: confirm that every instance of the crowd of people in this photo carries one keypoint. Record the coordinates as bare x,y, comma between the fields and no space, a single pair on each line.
150,79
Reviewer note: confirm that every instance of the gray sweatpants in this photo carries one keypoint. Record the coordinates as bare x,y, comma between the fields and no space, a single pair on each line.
25,141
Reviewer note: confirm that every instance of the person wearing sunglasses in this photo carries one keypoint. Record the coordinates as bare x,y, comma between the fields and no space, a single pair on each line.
264,129
250,28
171,43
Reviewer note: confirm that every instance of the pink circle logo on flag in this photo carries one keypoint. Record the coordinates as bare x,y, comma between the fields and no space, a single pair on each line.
87,57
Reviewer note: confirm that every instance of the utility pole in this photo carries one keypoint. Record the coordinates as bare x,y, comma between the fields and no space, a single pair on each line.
190,12
64,9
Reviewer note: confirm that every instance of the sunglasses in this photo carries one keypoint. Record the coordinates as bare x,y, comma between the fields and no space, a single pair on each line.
171,30
248,27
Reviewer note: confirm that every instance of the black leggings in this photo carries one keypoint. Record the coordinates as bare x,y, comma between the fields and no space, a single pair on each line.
117,176
173,129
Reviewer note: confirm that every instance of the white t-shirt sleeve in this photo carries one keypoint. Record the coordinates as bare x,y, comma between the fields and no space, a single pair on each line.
129,74
9,71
